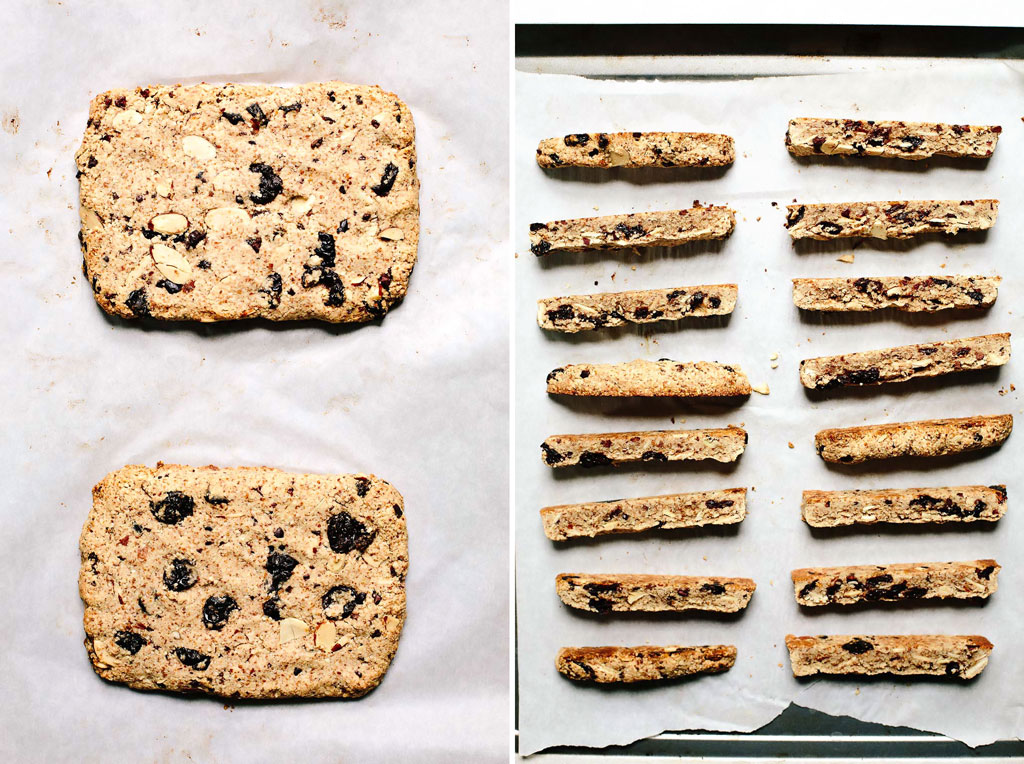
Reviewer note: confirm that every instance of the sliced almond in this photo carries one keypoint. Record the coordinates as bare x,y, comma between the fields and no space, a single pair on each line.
90,219
198,148
293,628
392,234
618,158
325,636
225,180
225,217
845,258
126,119
301,205
163,188
762,389
169,223
171,263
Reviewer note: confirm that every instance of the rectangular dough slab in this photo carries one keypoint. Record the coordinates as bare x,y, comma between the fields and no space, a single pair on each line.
959,504
584,312
900,364
244,583
650,379
612,448
889,220
632,593
645,663
911,654
900,140
915,294
222,202
636,150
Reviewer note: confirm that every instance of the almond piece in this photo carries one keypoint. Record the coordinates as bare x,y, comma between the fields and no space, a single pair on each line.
90,219
292,628
392,234
163,188
169,223
198,148
126,119
301,205
171,263
325,636
225,217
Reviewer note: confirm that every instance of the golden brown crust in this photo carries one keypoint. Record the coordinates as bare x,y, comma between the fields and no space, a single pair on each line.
644,663
910,654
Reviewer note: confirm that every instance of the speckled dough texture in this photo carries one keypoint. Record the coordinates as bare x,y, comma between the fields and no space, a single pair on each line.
959,504
654,379
899,364
220,202
611,448
609,593
900,140
927,437
911,654
636,150
907,293
244,583
642,664
584,312
889,220
854,584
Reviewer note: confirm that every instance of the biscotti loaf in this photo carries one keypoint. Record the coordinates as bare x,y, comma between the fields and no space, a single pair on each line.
245,583
927,654
609,448
680,510
889,220
636,150
583,312
907,293
654,379
899,364
670,228
853,584
902,140
218,202
653,593
928,437
642,664
961,504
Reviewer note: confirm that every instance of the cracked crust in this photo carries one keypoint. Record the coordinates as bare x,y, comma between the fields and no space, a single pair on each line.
636,150
612,448
911,654
959,504
906,293
652,379
584,312
645,663
900,140
889,220
609,593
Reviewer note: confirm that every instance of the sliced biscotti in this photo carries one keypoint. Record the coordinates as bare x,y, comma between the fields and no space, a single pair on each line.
670,228
960,504
645,663
889,220
220,202
910,654
900,364
679,510
926,437
654,379
247,582
853,584
611,448
583,312
630,593
917,294
636,150
901,140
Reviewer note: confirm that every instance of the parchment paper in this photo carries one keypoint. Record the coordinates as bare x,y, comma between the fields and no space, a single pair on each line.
419,399
760,257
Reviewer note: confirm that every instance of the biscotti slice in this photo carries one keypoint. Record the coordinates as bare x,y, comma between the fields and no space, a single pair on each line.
631,593
244,583
853,584
670,228
680,510
889,220
610,448
910,654
960,504
927,437
652,379
916,294
900,364
645,663
902,140
583,312
220,202
636,150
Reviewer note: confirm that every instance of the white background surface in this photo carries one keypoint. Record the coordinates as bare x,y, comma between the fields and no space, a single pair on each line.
419,399
761,259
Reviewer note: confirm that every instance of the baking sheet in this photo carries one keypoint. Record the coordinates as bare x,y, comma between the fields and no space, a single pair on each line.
761,259
85,394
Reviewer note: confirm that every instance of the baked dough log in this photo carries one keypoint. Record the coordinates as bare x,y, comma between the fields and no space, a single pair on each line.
680,510
670,228
915,294
900,364
653,379
960,504
583,312
610,448
902,140
852,584
644,663
630,593
245,583
889,220
222,202
910,654
636,150
926,437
